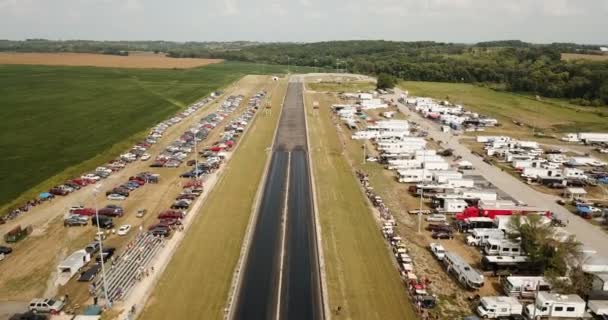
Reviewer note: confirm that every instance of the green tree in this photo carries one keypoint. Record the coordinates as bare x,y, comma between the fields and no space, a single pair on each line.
386,81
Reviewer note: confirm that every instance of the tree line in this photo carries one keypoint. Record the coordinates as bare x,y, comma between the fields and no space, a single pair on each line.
510,65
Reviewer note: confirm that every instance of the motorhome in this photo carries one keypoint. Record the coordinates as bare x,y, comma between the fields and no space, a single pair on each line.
414,175
556,306
442,176
466,275
524,287
498,307
461,183
502,247
479,237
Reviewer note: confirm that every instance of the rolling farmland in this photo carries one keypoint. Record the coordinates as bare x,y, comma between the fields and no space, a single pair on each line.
61,121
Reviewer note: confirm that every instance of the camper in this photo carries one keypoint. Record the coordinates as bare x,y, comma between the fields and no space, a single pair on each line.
504,222
453,205
466,275
556,306
498,307
415,175
461,183
479,237
525,287
502,247
444,176
71,265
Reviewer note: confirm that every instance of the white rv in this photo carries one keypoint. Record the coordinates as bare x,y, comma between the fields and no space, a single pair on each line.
502,247
524,287
453,205
479,237
415,175
556,306
498,307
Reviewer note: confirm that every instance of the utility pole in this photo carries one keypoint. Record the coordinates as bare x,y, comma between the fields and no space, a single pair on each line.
287,64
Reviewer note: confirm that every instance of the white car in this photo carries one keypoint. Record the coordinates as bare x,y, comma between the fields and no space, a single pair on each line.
124,229
145,157
115,196
372,159
436,218
437,250
91,176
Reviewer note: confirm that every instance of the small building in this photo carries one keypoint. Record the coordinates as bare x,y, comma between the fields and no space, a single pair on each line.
71,265
575,193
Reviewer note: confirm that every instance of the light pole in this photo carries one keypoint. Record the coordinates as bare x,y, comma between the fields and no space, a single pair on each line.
287,64
99,239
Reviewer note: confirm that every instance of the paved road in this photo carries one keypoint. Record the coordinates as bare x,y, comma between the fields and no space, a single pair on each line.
591,236
268,268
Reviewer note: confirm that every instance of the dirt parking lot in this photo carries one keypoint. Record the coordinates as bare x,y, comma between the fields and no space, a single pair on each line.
135,60
29,271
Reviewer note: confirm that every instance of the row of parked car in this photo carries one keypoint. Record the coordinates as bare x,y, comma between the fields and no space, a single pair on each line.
174,155
124,190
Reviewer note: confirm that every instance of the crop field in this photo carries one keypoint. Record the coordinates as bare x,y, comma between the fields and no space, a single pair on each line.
360,276
549,116
578,56
203,265
336,86
58,122
143,60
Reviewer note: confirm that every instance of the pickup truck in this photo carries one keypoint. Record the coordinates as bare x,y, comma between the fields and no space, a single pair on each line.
437,250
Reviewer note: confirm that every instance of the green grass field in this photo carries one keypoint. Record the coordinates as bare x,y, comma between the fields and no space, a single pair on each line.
360,275
553,116
341,86
58,122
197,281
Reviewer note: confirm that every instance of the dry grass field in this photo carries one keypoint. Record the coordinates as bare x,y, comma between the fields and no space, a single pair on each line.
578,56
136,60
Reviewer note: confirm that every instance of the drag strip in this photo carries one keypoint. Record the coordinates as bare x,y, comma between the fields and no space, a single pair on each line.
280,277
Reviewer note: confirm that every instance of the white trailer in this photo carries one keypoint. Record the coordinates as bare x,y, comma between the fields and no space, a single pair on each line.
524,287
443,176
479,237
556,306
435,165
414,175
482,195
71,266
453,205
495,307
461,183
598,307
502,247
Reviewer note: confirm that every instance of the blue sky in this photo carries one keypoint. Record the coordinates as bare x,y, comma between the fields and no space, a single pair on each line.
582,21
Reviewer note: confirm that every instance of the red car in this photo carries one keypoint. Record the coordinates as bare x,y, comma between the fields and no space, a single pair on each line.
171,214
58,191
80,182
138,180
170,222
84,211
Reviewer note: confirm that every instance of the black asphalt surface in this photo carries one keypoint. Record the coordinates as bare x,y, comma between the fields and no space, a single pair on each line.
259,284
300,298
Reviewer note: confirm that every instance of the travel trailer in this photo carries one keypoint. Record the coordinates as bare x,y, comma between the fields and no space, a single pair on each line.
466,275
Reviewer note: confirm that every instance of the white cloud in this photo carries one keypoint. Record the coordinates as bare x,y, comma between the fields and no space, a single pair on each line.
230,8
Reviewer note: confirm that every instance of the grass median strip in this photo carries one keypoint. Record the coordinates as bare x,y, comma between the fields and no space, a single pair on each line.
197,281
361,278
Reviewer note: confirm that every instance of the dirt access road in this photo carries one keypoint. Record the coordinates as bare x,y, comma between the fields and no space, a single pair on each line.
38,255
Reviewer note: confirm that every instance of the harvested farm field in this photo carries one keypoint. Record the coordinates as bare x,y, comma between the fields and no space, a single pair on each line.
137,60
